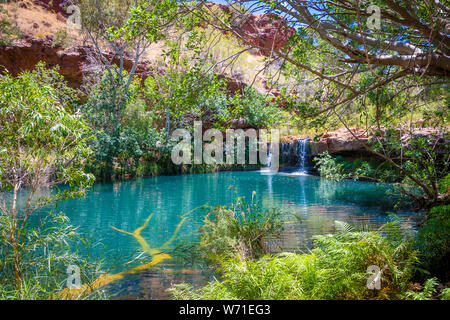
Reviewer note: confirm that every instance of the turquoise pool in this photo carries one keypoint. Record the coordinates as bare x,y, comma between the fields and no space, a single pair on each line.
311,206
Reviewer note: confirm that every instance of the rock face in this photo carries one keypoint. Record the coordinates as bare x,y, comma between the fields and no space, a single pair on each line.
343,142
26,53
266,31
72,62
339,142
57,6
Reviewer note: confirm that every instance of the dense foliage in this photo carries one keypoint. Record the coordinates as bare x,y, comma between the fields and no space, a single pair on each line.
43,144
55,140
433,241
47,249
354,64
335,269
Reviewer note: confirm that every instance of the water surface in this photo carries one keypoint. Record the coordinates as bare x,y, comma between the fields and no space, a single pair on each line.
311,206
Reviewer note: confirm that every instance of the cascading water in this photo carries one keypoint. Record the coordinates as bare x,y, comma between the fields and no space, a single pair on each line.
269,159
269,169
295,158
303,154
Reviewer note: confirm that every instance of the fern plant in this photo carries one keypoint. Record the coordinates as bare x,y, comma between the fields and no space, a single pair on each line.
334,269
427,292
445,294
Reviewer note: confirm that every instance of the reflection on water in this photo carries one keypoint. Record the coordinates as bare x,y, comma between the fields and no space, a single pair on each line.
311,205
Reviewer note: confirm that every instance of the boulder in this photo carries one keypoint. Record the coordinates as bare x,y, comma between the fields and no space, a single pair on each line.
267,31
60,17
343,142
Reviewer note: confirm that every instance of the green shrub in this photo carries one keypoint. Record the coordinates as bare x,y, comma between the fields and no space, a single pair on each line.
444,184
427,293
241,229
335,269
433,241
62,39
257,109
330,168
445,294
45,253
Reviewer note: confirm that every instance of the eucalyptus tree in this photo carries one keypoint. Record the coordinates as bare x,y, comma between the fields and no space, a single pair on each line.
121,33
411,35
43,145
383,61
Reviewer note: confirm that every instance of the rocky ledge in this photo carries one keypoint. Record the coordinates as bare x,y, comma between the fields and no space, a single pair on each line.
72,62
343,142
339,141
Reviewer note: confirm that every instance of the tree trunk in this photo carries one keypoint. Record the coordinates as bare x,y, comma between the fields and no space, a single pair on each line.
15,240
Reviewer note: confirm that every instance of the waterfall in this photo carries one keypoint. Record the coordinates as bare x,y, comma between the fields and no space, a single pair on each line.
269,159
286,155
303,154
294,158
268,169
